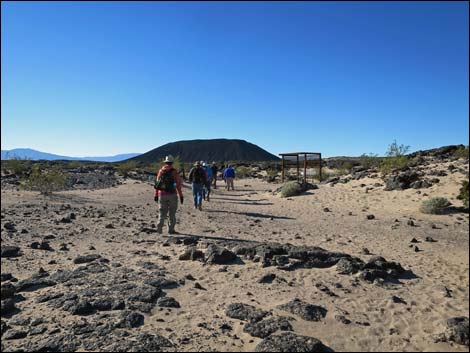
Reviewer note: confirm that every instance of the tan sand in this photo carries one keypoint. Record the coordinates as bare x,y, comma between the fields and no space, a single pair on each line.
252,212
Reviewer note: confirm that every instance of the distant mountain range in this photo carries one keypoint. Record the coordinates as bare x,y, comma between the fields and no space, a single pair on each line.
218,150
188,151
208,150
28,153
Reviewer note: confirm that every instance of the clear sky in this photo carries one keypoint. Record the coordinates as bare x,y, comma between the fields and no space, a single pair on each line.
344,78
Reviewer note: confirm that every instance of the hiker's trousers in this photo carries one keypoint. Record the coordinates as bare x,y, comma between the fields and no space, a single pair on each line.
229,184
197,194
167,207
207,190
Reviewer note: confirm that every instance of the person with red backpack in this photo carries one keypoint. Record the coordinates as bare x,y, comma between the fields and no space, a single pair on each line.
198,178
167,189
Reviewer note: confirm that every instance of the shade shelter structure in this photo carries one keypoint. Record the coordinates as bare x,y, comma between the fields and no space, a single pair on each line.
301,160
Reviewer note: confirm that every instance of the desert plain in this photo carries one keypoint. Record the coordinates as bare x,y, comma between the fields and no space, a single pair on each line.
84,270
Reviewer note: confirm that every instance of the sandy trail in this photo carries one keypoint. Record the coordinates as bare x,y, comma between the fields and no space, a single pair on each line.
253,213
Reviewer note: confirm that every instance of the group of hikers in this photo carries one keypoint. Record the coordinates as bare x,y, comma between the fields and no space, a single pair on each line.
168,187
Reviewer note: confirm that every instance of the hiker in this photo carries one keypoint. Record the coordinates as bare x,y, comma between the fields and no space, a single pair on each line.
229,175
207,185
167,189
197,177
214,174
223,176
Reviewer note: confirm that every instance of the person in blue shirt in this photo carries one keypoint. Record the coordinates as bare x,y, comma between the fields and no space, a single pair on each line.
229,175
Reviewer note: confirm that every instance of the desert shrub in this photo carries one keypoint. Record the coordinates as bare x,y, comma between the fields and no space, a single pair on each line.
291,188
344,169
463,195
370,160
396,150
126,167
272,173
74,164
17,165
152,167
346,166
242,172
391,163
177,164
395,158
415,161
269,165
45,182
289,176
462,152
435,205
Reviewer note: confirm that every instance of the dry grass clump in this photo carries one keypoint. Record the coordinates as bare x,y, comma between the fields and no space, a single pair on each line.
291,188
435,205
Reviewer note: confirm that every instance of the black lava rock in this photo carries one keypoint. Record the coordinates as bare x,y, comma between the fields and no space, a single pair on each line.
458,330
10,251
168,302
266,327
86,258
8,290
245,312
306,311
131,320
219,256
290,342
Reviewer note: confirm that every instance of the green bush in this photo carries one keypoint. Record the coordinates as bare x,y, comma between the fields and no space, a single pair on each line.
17,166
463,195
74,164
391,163
242,172
45,182
344,169
126,167
435,205
152,167
395,158
414,162
291,188
272,173
370,160
462,152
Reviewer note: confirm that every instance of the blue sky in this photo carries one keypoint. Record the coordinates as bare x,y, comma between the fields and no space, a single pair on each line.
344,78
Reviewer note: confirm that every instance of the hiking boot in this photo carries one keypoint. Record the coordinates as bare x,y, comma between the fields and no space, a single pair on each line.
159,230
200,207
172,231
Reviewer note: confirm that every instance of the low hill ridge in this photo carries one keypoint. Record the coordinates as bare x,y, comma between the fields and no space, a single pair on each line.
208,150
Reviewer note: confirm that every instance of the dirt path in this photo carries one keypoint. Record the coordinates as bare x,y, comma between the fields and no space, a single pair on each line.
111,222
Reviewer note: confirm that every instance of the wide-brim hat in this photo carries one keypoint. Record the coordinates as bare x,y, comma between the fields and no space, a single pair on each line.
169,159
